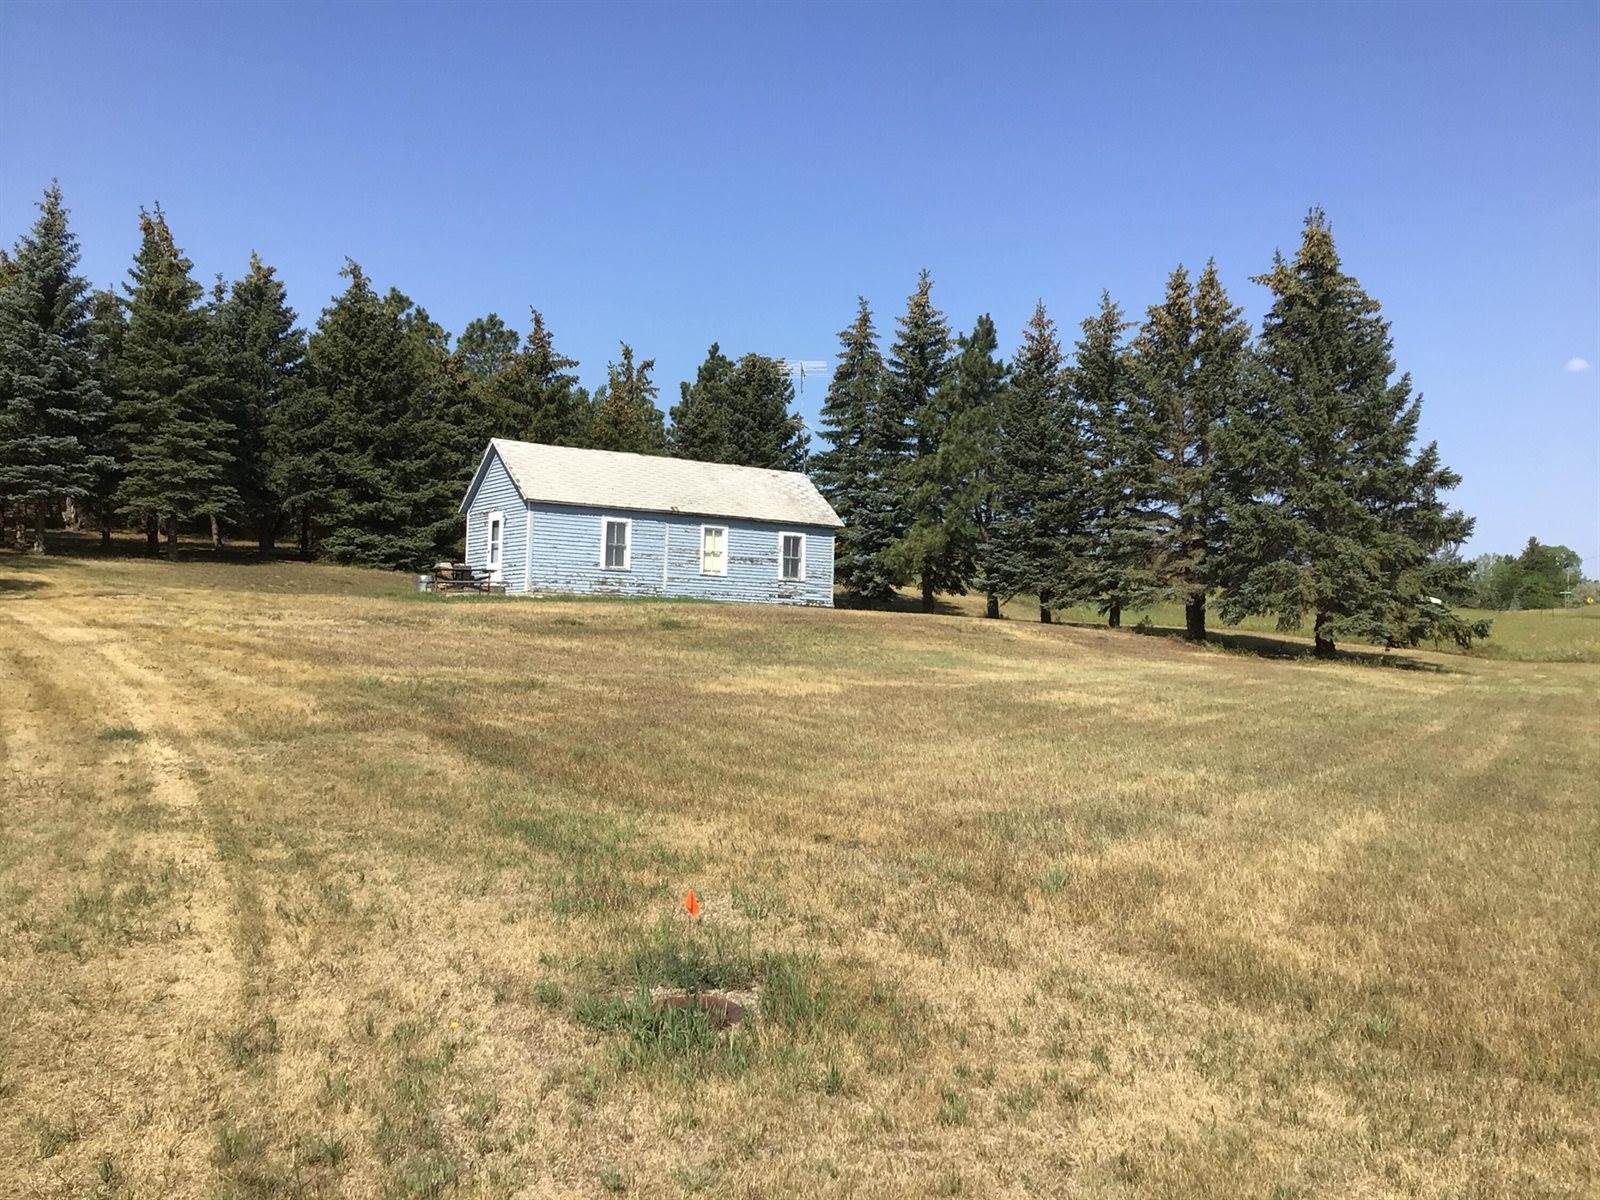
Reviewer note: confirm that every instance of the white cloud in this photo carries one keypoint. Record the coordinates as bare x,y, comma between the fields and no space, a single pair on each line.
1576,364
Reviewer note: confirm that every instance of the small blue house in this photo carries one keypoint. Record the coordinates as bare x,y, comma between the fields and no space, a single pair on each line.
558,519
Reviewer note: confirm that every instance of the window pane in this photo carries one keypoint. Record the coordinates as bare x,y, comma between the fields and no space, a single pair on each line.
616,543
791,556
712,561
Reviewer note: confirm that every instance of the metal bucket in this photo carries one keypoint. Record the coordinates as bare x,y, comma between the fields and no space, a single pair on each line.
424,583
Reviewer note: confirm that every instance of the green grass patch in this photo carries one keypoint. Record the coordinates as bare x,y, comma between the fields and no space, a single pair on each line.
804,1008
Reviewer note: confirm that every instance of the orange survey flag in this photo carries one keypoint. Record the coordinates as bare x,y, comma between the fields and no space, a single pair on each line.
691,904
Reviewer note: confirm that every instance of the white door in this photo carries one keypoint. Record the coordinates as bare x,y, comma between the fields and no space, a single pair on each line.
497,540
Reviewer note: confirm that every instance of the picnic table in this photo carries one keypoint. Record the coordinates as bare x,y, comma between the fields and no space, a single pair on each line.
459,577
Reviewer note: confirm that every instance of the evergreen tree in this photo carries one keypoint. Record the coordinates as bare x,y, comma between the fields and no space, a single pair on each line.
393,456
625,412
1122,462
304,468
517,391
108,327
52,407
1194,490
1043,490
934,539
1163,361
762,429
547,405
487,347
739,413
477,377
170,412
977,385
1189,360
264,362
451,394
848,471
1332,513
700,418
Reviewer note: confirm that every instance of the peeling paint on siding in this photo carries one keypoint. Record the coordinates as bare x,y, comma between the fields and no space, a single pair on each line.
567,554
498,494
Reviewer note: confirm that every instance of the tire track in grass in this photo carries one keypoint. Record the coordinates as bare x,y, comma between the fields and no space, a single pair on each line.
202,993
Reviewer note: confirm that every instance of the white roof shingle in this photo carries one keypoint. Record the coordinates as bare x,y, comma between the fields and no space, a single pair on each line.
651,483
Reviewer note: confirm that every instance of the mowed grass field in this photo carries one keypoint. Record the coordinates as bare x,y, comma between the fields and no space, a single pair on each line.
1533,635
311,887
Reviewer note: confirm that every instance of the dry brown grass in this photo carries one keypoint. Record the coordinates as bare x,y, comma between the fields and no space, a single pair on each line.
309,887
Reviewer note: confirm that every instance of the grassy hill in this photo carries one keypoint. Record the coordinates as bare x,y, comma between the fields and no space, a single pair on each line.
311,886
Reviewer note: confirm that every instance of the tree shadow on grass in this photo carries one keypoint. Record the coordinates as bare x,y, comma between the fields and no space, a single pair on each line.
67,543
17,587
901,603
1265,645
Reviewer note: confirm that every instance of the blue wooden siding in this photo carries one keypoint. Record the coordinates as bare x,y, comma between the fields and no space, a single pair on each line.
496,493
567,557
567,554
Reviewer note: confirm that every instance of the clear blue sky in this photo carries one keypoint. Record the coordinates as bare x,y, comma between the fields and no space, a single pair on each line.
677,174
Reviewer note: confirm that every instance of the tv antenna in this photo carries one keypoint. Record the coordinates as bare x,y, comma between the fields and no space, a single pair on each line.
798,368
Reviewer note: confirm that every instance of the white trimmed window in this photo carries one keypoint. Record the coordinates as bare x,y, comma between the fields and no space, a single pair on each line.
713,549
616,538
792,556
496,540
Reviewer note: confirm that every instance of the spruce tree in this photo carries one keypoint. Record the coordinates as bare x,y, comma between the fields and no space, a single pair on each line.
170,413
486,348
378,365
1043,490
1163,359
478,378
978,381
700,418
1122,463
762,428
934,542
264,361
1189,359
301,441
847,471
547,405
505,389
1193,487
739,413
625,413
108,327
1332,513
52,407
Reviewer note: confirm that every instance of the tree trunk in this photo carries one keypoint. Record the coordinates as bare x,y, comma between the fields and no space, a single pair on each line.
266,538
172,538
1194,618
1323,644
927,595
152,536
38,527
216,533
305,535
991,607
1114,615
105,533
